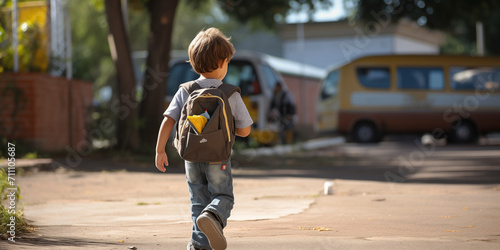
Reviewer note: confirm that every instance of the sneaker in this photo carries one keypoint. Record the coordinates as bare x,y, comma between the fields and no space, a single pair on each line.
210,226
191,247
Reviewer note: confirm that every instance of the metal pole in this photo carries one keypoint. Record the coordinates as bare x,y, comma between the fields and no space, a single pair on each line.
300,50
479,38
14,35
67,29
53,35
69,69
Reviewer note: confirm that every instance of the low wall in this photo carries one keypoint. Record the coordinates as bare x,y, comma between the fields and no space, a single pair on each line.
305,93
48,112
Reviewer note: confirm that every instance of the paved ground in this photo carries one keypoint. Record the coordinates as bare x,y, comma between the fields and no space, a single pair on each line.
391,195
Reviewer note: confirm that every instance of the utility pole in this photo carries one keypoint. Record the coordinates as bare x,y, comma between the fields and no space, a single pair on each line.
14,35
479,38
303,88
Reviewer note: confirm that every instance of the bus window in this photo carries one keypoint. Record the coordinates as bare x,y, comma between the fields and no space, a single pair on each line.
330,85
420,78
462,78
379,77
242,74
180,73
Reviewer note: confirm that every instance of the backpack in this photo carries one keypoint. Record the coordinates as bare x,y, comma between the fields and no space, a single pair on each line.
215,142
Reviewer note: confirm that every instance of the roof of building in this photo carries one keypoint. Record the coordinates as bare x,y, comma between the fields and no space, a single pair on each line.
344,28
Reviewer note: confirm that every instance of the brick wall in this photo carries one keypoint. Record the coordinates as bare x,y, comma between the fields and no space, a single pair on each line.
43,110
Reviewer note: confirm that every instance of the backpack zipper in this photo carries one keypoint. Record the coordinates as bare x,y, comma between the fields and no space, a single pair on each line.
208,95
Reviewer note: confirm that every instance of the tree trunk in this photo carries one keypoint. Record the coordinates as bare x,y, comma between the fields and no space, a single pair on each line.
126,105
154,88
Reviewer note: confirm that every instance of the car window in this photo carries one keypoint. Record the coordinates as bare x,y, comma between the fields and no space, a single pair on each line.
420,78
374,77
180,73
330,84
242,74
269,76
462,78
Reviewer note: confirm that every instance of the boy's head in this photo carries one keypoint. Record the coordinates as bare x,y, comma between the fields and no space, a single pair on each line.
208,50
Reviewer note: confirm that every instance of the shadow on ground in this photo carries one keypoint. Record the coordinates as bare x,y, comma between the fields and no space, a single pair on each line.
385,162
34,240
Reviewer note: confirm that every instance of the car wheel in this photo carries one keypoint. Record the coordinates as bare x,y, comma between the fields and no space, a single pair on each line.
464,132
365,132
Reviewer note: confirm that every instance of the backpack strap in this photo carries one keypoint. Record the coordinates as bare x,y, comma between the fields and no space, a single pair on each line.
229,89
189,87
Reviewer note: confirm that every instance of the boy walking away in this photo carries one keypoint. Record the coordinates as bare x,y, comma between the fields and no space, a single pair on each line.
206,152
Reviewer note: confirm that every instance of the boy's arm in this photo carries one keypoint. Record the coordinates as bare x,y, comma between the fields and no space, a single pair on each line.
161,159
241,115
243,132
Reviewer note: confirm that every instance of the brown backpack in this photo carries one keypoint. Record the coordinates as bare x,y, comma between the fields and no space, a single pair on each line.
215,142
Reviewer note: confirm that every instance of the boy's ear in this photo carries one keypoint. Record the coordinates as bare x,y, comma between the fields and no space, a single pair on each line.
222,63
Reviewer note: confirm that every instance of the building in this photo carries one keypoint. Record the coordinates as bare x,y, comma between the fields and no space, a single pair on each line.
327,44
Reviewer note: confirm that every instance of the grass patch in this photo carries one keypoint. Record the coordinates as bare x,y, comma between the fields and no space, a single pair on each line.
12,222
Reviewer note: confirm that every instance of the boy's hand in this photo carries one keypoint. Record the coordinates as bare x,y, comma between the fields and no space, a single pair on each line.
161,161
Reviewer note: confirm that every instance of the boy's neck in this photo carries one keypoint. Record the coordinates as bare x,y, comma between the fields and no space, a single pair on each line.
204,76
216,74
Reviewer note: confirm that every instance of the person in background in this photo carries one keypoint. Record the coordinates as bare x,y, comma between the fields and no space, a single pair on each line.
282,112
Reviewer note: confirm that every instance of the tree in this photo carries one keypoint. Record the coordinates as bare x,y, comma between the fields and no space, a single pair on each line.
162,14
457,17
154,87
126,105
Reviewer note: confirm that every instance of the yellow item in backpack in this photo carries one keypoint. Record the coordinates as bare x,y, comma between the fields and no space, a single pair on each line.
198,122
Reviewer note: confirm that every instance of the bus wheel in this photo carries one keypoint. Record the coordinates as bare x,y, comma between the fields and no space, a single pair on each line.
365,132
464,132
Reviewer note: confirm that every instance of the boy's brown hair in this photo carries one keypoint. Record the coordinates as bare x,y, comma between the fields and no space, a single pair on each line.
208,50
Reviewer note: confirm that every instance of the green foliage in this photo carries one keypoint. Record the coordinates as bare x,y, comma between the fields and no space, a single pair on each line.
91,56
21,225
7,212
456,46
4,188
31,155
138,21
268,12
29,49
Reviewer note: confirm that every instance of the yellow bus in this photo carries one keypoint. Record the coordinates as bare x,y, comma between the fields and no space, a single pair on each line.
456,97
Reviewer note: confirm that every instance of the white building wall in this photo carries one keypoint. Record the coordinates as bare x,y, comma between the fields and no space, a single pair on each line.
328,52
403,45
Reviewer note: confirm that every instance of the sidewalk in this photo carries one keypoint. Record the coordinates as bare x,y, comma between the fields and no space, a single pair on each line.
275,209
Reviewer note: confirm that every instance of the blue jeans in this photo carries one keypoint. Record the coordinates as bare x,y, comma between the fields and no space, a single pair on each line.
211,189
